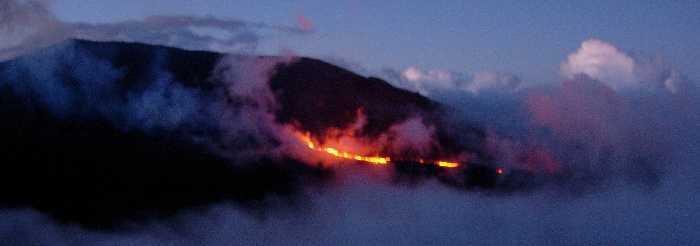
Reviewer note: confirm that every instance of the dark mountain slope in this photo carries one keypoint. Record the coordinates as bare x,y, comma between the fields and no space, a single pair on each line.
89,172
73,146
318,95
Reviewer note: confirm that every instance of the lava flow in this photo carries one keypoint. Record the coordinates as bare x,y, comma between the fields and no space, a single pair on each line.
377,160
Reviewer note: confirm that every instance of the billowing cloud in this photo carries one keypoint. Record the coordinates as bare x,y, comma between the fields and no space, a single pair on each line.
618,69
602,61
410,137
22,21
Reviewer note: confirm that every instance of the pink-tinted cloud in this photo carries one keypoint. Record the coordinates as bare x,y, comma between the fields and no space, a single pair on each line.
305,24
579,108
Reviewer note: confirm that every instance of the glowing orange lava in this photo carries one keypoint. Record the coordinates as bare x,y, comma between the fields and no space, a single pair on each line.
447,164
377,160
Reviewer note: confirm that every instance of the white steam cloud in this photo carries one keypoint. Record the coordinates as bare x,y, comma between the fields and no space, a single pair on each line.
603,61
412,135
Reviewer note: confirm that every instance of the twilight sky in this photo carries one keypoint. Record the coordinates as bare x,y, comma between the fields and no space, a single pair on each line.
527,38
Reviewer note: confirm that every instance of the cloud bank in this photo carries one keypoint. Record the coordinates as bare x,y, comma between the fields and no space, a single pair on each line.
429,82
29,24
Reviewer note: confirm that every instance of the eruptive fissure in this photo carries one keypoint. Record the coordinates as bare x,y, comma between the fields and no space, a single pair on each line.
371,159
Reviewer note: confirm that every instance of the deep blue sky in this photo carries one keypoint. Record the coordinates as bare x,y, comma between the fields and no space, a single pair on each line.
528,38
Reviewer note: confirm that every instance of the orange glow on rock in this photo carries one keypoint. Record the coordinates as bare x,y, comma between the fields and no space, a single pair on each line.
447,164
378,160
375,159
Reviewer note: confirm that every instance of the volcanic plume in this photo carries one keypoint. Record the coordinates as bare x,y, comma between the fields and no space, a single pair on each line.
103,134
106,132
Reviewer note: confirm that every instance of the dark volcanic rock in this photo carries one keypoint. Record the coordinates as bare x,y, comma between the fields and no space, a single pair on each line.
318,95
89,172
73,155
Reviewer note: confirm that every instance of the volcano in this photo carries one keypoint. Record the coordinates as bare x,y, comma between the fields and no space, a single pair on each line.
76,148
